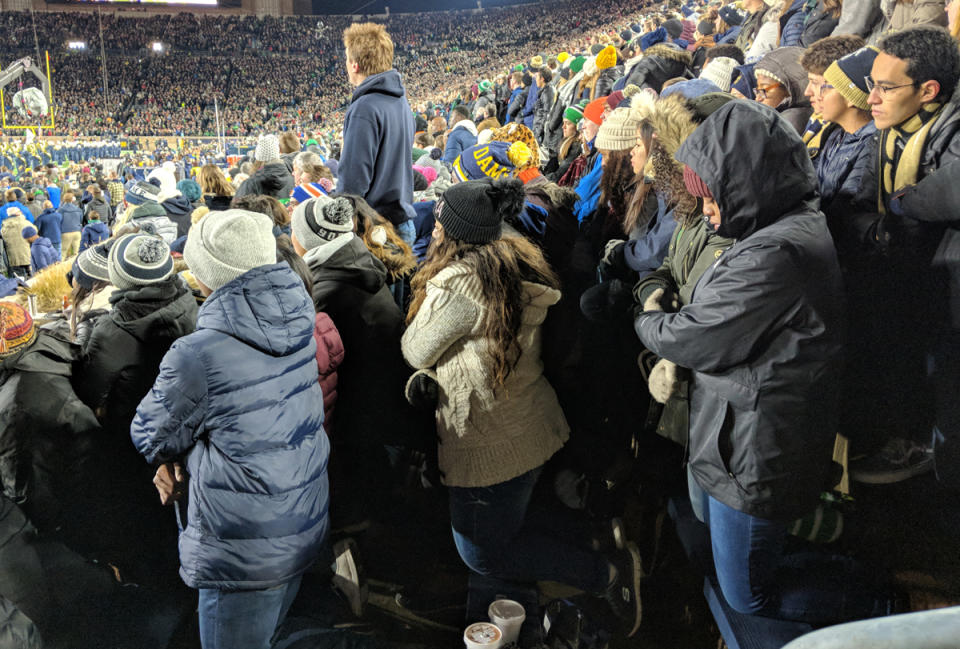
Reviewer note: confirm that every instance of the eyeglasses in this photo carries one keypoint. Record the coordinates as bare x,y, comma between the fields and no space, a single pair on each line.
882,89
763,90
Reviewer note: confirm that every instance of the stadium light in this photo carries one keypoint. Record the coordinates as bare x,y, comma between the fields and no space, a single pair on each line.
76,45
157,46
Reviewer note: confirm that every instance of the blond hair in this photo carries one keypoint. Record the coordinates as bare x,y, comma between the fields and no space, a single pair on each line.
369,46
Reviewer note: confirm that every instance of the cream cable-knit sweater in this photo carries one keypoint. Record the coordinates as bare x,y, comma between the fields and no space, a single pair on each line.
485,438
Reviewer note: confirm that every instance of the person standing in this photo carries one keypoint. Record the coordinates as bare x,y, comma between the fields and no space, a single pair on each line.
377,129
235,423
70,226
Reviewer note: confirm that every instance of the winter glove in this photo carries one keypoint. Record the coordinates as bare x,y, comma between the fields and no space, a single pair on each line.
663,382
613,254
423,391
652,303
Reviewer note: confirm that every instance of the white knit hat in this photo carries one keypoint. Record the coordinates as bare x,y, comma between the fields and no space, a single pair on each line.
618,131
268,149
138,260
168,183
719,71
222,246
320,220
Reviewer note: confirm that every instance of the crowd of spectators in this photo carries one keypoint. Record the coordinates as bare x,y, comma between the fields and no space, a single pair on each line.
282,72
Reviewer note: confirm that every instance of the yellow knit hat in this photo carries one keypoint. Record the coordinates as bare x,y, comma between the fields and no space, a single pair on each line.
562,56
607,58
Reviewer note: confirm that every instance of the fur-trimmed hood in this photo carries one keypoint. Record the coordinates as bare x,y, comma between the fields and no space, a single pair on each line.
669,52
674,122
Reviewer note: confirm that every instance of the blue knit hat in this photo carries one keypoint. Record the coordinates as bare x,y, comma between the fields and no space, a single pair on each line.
143,192
491,160
731,15
691,88
650,39
190,189
28,232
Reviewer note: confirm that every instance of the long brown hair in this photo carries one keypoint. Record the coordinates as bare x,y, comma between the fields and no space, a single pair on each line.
212,181
833,7
616,180
501,266
396,254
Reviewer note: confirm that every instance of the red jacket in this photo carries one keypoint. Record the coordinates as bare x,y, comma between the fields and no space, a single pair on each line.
329,357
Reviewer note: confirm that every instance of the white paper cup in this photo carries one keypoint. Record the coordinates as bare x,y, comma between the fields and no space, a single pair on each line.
509,616
483,635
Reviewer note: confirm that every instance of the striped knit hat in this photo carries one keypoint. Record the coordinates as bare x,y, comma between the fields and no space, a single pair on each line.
303,193
91,266
139,260
17,331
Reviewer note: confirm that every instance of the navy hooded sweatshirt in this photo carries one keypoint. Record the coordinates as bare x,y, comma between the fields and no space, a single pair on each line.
378,147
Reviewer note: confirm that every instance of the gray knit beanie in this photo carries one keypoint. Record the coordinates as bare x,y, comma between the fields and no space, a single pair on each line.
139,260
222,246
320,220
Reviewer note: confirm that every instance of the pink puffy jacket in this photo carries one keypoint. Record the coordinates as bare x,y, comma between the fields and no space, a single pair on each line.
329,357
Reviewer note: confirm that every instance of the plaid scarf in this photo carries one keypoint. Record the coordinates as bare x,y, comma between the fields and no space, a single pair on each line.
900,149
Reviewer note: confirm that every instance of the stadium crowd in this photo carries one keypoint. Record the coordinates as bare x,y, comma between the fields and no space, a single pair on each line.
705,251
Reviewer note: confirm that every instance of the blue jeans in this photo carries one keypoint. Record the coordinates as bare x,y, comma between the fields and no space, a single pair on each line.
495,539
758,577
243,619
407,231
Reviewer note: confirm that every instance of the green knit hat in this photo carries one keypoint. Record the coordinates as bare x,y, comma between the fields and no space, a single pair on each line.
518,67
575,113
577,64
847,75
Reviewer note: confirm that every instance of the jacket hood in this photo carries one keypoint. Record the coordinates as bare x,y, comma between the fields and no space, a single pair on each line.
162,311
177,205
733,151
783,65
266,308
467,125
383,83
351,264
48,211
43,242
148,209
670,53
47,354
539,299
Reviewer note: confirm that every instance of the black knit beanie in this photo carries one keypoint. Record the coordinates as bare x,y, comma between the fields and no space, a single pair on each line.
474,211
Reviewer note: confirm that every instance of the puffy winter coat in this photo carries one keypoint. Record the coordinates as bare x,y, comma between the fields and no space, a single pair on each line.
329,357
791,24
763,329
121,357
842,163
528,106
272,179
47,435
239,397
462,136
660,63
42,254
101,207
606,80
18,249
486,437
515,107
349,285
154,215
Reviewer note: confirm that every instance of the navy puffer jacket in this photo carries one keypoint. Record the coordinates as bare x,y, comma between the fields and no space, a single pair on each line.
239,398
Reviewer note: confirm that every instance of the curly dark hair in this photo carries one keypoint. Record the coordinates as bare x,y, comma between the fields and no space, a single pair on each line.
821,54
931,54
725,49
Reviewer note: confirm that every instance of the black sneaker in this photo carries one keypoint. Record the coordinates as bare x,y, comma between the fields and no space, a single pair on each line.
623,593
898,460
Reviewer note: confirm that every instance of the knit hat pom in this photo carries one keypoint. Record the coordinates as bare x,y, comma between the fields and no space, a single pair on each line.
152,251
631,90
507,196
339,211
519,154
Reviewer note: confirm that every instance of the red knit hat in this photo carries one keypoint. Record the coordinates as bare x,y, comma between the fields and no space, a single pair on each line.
695,184
16,329
594,110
